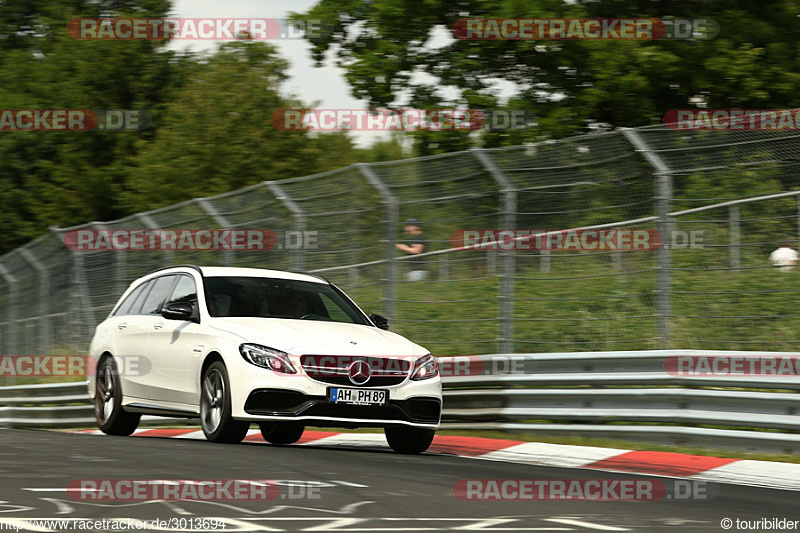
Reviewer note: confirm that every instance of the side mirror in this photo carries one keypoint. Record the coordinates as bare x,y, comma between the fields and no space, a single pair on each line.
178,311
379,321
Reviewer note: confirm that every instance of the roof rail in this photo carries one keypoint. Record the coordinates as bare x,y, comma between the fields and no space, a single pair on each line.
313,275
193,267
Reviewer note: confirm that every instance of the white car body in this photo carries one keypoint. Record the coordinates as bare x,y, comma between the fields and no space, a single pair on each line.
171,355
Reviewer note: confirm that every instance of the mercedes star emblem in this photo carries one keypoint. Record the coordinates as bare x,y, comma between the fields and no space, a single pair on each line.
359,372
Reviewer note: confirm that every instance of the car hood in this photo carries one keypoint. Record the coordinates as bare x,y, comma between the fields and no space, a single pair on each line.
316,337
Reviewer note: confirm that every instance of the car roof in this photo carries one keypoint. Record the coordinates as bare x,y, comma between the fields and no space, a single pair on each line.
215,271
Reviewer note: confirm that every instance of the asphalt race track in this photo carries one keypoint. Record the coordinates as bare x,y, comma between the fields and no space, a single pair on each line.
358,489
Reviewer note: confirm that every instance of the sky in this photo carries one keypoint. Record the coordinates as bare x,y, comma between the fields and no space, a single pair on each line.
325,85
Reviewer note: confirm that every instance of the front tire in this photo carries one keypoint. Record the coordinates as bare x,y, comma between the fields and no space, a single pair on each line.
215,407
281,432
112,419
409,440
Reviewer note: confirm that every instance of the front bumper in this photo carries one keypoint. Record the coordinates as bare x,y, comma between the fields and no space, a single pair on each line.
288,405
261,395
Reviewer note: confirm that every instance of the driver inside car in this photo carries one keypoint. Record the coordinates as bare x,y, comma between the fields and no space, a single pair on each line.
287,305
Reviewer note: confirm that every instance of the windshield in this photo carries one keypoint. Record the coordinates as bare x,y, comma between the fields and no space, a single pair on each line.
235,296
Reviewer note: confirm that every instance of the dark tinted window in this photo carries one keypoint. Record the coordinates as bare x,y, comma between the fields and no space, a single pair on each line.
129,302
278,298
185,291
159,292
333,310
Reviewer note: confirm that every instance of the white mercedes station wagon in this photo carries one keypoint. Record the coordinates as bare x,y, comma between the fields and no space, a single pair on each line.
233,346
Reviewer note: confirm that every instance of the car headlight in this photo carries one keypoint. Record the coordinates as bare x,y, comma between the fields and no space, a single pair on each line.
425,368
267,357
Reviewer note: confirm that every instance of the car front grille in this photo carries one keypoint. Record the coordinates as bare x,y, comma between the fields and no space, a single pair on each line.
335,369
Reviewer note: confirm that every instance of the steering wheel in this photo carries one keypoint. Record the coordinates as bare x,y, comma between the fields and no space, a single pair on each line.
314,315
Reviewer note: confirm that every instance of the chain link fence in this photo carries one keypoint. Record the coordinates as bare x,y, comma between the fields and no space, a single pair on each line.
718,200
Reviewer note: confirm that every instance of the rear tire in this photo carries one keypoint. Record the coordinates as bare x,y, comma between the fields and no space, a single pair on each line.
409,440
281,432
215,407
112,418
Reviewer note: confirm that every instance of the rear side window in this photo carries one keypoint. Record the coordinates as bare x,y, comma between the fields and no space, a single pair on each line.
128,304
159,292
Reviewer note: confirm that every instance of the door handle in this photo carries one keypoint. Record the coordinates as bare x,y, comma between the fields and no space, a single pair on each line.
158,326
122,326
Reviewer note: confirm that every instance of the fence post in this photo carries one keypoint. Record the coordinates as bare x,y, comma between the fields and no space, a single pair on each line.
392,220
798,217
83,303
298,217
544,260
120,261
219,220
44,296
663,197
11,310
508,259
120,269
733,224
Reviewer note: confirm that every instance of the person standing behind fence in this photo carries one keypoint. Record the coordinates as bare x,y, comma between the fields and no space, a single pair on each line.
785,257
414,244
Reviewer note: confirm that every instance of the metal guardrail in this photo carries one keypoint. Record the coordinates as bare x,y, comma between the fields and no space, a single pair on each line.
627,396
57,405
618,395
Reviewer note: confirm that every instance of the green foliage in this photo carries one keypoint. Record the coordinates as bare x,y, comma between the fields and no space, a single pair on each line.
752,63
67,177
389,150
210,131
216,133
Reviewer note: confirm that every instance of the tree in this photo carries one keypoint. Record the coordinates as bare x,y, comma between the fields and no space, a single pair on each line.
572,85
388,150
210,130
63,178
216,133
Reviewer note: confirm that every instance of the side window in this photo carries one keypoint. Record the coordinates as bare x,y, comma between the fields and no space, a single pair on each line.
159,292
185,291
127,304
137,305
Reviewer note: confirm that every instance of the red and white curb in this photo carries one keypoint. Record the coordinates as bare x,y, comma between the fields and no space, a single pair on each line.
769,474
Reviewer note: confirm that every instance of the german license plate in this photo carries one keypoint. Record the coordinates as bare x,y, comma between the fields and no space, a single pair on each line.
358,396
